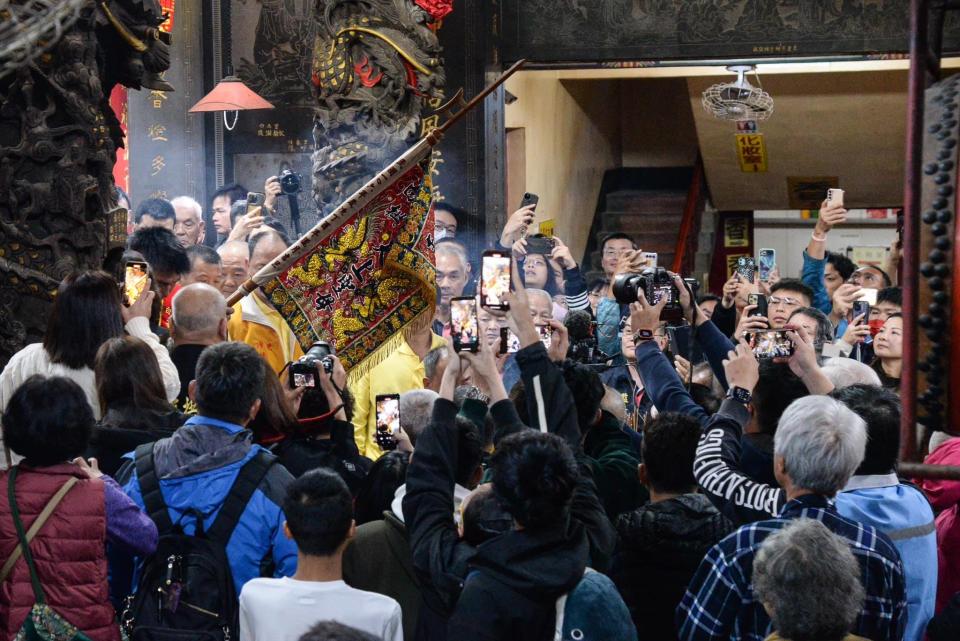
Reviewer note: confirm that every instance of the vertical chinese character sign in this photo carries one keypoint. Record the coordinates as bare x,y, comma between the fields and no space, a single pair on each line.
166,155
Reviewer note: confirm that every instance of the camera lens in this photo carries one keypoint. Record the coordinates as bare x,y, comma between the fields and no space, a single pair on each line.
290,182
625,287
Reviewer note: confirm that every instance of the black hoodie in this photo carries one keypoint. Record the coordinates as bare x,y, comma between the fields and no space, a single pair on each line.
513,585
660,547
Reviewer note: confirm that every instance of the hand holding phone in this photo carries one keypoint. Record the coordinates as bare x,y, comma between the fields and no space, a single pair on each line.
135,274
494,279
747,268
772,343
767,263
464,324
388,420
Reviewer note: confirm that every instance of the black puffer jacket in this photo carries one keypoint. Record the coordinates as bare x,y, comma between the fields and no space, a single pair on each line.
660,547
121,430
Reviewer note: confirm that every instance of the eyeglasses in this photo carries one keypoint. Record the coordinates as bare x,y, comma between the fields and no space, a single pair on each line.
534,262
785,300
615,253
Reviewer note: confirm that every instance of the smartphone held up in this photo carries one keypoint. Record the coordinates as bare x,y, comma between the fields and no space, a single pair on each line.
135,274
464,324
494,279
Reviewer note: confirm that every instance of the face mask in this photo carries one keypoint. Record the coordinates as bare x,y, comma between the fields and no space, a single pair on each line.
439,234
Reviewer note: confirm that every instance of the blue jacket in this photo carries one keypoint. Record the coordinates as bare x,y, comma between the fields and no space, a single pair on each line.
902,513
197,467
812,277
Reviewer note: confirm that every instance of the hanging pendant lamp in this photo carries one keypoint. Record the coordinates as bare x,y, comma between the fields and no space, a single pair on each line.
231,94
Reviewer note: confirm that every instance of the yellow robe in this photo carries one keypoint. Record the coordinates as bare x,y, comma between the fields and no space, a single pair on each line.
261,327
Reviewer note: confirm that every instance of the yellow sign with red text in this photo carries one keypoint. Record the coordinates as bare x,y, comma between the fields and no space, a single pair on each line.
752,153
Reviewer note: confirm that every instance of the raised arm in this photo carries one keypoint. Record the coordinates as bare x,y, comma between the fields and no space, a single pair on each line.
814,257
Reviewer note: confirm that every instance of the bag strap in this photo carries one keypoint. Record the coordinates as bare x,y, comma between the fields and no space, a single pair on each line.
149,482
23,544
248,480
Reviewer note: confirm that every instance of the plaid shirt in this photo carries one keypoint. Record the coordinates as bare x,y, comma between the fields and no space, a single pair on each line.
719,603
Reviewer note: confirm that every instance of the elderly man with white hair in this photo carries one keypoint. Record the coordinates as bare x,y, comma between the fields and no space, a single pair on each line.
199,320
818,446
188,226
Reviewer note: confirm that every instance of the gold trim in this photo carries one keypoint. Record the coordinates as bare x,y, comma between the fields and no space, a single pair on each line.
125,33
416,65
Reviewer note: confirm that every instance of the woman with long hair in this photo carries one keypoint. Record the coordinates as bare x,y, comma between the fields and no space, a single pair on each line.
888,348
133,399
86,313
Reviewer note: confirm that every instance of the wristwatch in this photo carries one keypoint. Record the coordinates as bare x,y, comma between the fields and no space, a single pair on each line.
739,394
642,335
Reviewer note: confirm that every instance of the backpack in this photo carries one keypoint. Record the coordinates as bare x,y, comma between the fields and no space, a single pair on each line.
186,588
593,611
43,623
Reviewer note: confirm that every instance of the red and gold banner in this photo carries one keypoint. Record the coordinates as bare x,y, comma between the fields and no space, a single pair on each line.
366,271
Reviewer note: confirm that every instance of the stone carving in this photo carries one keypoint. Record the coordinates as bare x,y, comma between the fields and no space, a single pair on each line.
58,141
376,64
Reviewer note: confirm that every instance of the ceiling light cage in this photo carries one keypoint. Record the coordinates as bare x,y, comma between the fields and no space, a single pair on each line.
738,100
28,29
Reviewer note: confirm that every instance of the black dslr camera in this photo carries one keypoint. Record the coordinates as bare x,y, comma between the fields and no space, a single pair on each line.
303,373
290,182
656,284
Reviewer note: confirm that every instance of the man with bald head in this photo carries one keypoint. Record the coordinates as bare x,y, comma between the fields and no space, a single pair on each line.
254,320
199,320
235,261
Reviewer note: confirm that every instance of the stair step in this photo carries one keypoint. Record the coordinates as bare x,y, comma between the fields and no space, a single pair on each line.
640,223
641,202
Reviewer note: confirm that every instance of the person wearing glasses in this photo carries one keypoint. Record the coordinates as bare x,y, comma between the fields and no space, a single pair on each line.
786,297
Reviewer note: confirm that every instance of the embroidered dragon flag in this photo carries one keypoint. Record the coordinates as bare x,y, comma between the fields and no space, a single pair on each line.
363,273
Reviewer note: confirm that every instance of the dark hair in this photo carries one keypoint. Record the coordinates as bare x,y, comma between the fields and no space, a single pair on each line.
276,417
380,485
705,397
469,450
128,375
880,409
484,517
533,477
587,390
550,286
255,239
238,208
793,285
598,283
233,191
669,447
156,208
319,511
617,236
204,254
333,631
229,381
277,226
48,420
891,295
777,388
705,298
824,333
86,313
844,266
161,248
456,212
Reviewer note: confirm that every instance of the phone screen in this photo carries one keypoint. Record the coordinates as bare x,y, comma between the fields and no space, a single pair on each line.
509,342
464,325
661,292
869,294
304,379
388,413
494,280
134,280
768,261
772,343
546,333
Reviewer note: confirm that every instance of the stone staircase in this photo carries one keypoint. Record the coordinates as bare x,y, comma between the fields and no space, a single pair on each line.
648,205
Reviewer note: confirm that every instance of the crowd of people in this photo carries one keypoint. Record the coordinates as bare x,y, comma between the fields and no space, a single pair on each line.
592,465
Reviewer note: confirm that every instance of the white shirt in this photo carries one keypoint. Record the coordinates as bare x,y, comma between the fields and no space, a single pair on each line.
283,609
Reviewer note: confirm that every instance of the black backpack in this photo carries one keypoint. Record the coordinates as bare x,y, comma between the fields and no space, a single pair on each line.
186,588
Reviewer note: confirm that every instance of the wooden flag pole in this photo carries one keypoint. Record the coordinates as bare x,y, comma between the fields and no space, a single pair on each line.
364,195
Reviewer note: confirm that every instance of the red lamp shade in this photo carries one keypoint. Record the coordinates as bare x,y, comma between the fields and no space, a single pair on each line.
231,94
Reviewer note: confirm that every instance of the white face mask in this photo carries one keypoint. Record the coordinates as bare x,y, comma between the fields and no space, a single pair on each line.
439,234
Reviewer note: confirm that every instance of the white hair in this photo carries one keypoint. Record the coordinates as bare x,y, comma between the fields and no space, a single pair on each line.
844,372
188,202
822,443
455,249
198,308
540,292
416,410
